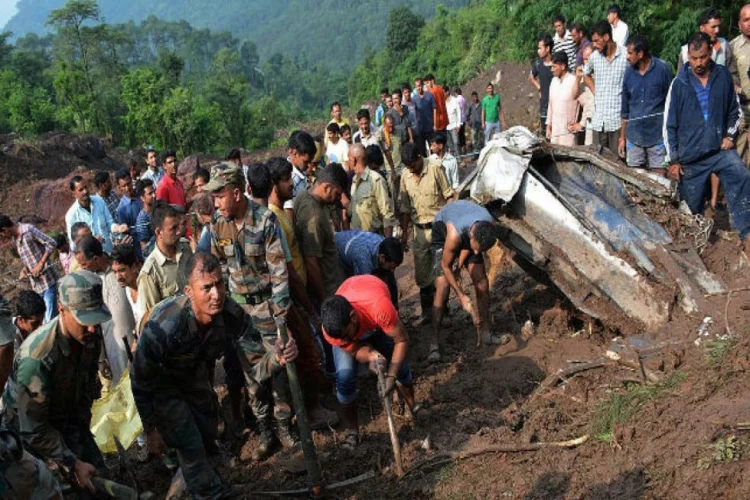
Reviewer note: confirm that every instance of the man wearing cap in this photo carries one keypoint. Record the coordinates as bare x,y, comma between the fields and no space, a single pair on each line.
173,370
54,383
246,237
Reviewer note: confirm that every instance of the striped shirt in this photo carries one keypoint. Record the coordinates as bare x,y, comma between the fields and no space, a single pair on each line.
143,231
608,78
31,245
702,93
358,251
112,202
567,45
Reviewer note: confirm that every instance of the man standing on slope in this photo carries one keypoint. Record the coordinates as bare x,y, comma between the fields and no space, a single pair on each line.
701,122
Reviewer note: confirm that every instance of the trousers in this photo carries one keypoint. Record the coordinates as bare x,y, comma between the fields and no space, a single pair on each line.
735,178
189,426
346,366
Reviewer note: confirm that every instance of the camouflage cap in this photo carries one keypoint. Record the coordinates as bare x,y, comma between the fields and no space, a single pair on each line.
223,175
81,294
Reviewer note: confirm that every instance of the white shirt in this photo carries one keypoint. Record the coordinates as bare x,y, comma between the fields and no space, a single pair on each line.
136,306
337,153
98,219
620,33
454,113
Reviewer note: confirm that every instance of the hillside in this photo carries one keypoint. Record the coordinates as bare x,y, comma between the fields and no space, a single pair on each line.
333,32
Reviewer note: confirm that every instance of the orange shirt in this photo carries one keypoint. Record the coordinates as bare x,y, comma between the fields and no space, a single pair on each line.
441,123
371,300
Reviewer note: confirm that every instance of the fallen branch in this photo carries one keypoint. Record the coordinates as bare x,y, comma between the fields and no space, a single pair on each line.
306,491
499,448
562,375
726,313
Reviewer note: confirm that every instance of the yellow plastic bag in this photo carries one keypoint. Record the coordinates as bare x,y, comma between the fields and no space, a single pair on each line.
116,416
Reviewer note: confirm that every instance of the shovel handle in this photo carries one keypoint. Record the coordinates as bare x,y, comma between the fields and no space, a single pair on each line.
391,425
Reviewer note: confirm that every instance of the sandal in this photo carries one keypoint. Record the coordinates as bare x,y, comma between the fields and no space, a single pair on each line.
434,354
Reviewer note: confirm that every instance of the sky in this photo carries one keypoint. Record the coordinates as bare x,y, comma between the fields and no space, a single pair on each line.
7,9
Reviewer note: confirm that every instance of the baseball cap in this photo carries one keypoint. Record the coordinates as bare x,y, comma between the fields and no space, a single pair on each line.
81,294
223,175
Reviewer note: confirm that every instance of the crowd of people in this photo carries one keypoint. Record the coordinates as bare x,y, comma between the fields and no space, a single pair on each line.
162,280
604,87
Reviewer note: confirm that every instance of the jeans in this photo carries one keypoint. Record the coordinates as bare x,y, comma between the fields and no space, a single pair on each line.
477,138
50,300
346,366
490,128
735,178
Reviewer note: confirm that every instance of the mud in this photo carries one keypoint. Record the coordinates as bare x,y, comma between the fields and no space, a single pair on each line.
483,396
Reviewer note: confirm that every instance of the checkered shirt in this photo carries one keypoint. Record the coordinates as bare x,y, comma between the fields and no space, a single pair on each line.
608,77
31,245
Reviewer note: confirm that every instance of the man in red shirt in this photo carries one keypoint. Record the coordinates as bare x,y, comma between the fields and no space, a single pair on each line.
441,109
171,189
361,324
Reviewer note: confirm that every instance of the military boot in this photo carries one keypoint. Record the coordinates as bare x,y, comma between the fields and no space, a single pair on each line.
286,433
266,440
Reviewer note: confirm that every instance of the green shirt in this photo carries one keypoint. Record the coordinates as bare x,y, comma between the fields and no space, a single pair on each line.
491,107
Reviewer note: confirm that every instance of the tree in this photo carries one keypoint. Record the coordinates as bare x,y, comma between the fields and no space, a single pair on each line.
75,43
403,30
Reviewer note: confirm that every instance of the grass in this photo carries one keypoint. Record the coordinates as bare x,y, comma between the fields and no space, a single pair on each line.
622,406
717,349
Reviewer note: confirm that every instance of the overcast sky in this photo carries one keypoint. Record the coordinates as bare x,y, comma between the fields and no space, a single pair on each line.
7,9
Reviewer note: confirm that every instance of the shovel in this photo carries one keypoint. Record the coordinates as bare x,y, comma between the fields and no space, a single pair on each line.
391,425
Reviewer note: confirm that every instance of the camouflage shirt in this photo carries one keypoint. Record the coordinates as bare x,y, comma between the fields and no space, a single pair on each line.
174,358
253,255
51,390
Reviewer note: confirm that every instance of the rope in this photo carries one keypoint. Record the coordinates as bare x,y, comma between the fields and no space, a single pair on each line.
644,117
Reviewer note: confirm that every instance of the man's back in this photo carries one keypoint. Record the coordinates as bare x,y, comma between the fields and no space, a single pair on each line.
315,234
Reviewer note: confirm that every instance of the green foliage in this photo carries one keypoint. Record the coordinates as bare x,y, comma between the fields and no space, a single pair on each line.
333,32
622,406
459,45
724,450
716,349
403,31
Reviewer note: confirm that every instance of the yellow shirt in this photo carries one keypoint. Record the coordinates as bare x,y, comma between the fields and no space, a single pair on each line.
425,194
298,262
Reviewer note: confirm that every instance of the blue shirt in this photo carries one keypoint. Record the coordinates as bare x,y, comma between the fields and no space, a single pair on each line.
702,93
97,218
358,251
425,105
128,210
462,215
645,95
143,230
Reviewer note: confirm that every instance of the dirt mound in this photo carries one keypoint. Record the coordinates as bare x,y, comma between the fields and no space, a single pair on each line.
520,99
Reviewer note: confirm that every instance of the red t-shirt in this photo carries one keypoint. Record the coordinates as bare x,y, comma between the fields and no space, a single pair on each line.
441,123
171,191
371,300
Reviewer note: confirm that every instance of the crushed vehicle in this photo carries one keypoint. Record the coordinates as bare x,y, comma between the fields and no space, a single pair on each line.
612,239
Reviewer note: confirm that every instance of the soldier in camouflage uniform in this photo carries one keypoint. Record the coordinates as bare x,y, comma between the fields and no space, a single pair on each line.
173,365
54,382
246,237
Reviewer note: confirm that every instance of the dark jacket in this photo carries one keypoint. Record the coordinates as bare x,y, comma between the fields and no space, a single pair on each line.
687,136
